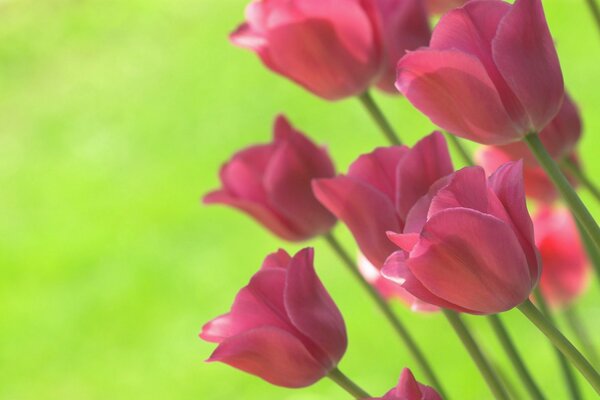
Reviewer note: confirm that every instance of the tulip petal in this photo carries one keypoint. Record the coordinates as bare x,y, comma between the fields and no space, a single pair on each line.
368,213
467,189
525,56
454,90
472,260
272,354
278,260
424,164
406,241
311,309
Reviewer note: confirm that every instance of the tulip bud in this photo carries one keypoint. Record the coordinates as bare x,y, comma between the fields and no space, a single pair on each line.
283,326
272,184
490,74
409,389
468,244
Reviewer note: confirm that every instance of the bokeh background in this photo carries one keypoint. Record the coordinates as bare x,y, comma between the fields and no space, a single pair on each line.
114,119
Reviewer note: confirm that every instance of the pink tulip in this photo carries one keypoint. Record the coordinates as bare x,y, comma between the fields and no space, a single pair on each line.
380,189
468,244
272,184
390,290
330,47
559,137
443,6
409,389
283,326
405,26
565,265
490,74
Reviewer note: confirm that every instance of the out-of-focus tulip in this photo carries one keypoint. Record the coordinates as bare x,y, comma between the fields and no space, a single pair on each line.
559,137
468,245
380,189
283,326
330,47
565,265
443,6
272,184
490,74
405,26
390,290
409,389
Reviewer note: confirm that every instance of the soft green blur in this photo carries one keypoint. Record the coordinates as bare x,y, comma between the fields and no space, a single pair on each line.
115,117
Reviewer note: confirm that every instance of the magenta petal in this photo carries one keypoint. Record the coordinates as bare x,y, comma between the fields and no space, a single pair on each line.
278,260
467,188
368,213
424,164
272,354
454,90
472,260
525,55
311,309
406,241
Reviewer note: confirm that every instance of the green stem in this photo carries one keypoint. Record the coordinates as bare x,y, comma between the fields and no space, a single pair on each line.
578,328
565,367
595,10
347,384
515,358
581,177
562,343
564,187
480,361
592,251
385,308
468,160
386,128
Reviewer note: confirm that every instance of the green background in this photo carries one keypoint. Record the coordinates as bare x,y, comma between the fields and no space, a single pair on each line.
115,117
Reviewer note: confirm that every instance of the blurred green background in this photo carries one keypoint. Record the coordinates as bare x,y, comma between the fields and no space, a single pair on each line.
115,117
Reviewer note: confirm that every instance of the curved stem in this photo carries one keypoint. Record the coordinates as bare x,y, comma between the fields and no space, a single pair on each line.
564,187
595,10
482,364
385,308
592,251
581,177
578,328
347,384
562,343
375,112
468,160
515,358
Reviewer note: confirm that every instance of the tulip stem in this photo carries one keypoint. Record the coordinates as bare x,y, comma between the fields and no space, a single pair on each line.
564,187
458,145
565,367
384,125
578,328
514,356
475,352
592,251
581,177
385,308
595,10
347,384
561,343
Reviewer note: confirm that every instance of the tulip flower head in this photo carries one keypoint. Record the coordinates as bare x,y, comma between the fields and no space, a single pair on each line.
379,190
468,245
409,389
490,74
272,184
565,265
283,326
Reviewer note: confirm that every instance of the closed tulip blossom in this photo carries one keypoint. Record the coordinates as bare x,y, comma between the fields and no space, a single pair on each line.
379,190
490,74
283,326
409,389
560,138
272,183
468,245
565,265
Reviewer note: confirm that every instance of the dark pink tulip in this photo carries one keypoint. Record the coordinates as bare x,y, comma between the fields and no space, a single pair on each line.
380,189
559,137
565,265
409,389
283,326
490,73
330,47
468,245
405,26
272,184
442,6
